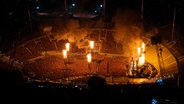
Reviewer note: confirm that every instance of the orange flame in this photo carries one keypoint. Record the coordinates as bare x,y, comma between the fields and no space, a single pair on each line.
91,43
65,54
89,57
67,46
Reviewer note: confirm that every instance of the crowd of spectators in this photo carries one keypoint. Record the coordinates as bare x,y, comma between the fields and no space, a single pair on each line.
96,90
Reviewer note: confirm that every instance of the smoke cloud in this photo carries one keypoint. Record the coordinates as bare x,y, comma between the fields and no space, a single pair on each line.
129,29
128,26
73,32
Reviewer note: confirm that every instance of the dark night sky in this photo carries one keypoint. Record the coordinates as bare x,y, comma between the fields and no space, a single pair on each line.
14,13
156,12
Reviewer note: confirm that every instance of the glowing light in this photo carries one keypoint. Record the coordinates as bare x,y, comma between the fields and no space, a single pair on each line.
37,7
73,4
143,47
91,43
89,57
67,46
139,51
142,59
65,54
131,67
141,55
101,5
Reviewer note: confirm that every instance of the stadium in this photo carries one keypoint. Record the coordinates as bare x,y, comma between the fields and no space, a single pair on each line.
75,46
